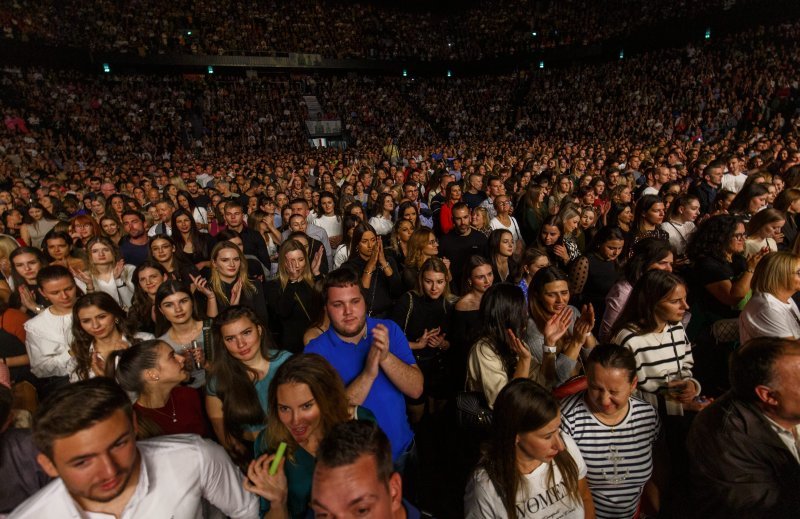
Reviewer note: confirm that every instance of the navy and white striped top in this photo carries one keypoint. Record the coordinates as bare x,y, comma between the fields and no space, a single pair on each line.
619,458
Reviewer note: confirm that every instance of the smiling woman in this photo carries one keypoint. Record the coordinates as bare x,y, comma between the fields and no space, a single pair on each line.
99,327
307,398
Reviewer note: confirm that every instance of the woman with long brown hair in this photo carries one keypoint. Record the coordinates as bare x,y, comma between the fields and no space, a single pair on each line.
245,360
99,327
527,454
306,400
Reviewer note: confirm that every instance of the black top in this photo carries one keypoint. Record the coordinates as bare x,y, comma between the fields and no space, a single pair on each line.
133,254
458,249
414,314
253,300
383,290
255,244
292,310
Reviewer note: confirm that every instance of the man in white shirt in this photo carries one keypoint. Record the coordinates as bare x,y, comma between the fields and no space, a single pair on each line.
494,188
49,334
734,179
86,435
655,179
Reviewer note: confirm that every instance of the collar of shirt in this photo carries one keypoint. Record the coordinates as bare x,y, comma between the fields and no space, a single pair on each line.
787,436
337,341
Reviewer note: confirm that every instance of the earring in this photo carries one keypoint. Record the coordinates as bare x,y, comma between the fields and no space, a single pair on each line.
116,321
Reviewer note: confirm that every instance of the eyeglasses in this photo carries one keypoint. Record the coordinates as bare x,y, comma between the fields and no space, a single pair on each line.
740,236
433,242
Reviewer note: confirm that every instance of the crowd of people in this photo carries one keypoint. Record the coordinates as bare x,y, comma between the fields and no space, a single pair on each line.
579,307
338,28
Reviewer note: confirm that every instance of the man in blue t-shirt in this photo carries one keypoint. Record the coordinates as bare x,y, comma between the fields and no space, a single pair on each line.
372,356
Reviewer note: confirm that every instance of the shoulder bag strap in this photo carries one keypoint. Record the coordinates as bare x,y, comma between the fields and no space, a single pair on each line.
410,308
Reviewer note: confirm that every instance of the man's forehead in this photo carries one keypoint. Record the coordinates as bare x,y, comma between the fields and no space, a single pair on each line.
93,439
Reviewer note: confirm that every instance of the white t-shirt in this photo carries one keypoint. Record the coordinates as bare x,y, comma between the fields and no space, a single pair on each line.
331,224
381,225
733,182
536,500
679,235
495,224
754,245
766,316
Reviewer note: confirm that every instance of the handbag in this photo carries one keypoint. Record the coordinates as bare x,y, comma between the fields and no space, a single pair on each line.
573,385
472,411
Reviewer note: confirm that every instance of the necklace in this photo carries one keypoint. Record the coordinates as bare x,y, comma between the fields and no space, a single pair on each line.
172,404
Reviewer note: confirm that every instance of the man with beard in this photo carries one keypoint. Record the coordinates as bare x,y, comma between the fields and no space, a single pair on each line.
134,246
86,435
373,358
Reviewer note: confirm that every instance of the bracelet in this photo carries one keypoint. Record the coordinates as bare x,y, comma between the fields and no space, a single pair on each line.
550,349
370,272
750,270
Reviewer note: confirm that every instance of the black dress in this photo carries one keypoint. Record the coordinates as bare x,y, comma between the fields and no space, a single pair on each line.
414,314
291,309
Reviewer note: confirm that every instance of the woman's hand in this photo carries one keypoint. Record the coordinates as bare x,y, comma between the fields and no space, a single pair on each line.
373,258
82,276
753,259
561,252
236,292
98,365
27,298
118,268
518,347
584,324
557,326
258,481
316,262
201,285
381,256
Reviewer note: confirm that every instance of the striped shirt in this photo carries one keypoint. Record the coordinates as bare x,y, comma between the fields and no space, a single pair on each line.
619,458
658,354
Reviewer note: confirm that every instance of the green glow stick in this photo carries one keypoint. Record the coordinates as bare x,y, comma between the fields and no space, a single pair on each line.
273,467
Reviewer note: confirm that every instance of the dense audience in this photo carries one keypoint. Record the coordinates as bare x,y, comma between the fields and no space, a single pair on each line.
338,28
480,308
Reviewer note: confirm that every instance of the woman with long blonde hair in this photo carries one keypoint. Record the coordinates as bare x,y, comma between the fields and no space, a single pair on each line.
230,282
292,299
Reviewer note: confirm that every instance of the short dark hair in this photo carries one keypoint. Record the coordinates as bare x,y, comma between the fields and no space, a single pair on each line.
298,201
613,356
350,440
458,206
51,273
74,407
131,212
340,278
227,234
753,364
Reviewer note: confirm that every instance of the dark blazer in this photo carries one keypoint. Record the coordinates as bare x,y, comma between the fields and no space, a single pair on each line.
739,466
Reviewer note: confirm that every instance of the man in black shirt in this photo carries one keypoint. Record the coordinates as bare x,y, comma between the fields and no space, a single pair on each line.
253,243
134,245
460,243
